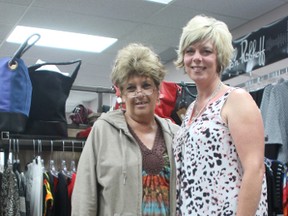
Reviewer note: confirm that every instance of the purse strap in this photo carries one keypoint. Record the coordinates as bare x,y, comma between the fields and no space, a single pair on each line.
182,95
184,86
24,47
74,73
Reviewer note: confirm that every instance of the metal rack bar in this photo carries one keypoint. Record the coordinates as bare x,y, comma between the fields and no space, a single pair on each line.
45,145
93,89
266,77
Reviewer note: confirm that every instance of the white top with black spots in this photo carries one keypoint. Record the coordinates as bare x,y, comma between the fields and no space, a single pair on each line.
209,171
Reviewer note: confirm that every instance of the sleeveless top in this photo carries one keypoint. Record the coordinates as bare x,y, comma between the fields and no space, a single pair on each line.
209,171
155,176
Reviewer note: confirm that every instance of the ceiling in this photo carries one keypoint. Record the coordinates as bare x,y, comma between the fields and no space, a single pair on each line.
150,23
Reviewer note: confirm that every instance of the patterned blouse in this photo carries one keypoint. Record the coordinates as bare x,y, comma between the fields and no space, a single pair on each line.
155,176
208,168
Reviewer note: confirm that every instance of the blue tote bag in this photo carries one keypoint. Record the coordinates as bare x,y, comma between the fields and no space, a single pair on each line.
15,89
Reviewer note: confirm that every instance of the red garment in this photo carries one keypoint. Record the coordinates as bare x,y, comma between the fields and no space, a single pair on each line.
84,133
285,193
70,185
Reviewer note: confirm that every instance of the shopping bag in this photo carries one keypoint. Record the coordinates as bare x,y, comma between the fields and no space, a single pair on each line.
51,89
15,89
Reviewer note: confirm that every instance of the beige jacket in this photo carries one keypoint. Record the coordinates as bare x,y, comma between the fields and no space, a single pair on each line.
109,175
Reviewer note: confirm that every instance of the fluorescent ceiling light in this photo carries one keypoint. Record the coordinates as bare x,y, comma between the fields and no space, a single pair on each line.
61,39
161,1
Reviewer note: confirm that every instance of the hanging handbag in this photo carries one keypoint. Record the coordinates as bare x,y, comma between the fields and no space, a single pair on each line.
186,95
167,99
15,89
51,89
80,115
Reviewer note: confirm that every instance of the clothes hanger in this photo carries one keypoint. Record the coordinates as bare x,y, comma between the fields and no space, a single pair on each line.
72,163
39,157
16,160
52,168
10,155
64,169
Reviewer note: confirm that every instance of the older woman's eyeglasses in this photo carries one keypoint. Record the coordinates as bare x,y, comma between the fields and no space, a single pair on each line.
146,89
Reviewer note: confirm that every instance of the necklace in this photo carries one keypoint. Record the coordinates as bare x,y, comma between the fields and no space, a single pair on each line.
195,112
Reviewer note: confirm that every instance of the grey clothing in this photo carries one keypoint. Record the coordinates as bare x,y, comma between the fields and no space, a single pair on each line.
275,116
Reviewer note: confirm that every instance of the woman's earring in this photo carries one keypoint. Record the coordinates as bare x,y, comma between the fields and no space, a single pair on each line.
119,100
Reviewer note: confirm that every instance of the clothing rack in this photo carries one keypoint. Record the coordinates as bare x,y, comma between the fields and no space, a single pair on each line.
270,77
93,89
65,145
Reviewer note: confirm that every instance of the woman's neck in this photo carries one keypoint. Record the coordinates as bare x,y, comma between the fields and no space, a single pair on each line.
146,124
205,91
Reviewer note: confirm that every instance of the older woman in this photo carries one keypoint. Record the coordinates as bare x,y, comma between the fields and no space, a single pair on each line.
127,166
219,149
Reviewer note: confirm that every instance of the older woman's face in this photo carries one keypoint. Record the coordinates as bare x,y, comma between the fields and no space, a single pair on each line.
140,96
200,60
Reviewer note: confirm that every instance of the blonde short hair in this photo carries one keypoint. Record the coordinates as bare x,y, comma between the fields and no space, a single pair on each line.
137,60
201,28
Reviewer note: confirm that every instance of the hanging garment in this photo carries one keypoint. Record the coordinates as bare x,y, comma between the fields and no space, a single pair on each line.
34,187
275,117
9,200
48,200
62,205
285,191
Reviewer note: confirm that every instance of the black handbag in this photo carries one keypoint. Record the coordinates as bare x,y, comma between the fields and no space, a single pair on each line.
185,97
15,89
51,89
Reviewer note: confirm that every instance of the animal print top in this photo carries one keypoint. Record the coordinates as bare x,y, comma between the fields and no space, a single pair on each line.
209,171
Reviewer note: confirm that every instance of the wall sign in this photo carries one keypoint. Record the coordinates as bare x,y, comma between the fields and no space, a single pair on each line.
260,48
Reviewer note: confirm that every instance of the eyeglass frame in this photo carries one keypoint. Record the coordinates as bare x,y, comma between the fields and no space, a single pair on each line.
135,93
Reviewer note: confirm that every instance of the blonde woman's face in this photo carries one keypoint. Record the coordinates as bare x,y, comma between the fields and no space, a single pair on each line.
200,60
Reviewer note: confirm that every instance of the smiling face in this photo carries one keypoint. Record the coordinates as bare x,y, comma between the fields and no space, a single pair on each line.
200,61
140,96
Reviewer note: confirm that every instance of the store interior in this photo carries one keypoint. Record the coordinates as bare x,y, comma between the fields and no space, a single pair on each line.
141,21
150,23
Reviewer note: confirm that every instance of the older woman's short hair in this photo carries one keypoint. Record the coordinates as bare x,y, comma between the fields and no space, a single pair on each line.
137,60
201,28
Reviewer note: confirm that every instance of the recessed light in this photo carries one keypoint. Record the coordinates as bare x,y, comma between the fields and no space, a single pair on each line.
161,1
62,39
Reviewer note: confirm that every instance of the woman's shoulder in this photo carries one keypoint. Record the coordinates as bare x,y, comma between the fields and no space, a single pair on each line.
239,94
167,124
113,118
239,100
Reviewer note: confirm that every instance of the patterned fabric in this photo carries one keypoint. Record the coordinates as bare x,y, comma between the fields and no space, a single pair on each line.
155,177
21,188
47,195
10,203
285,192
208,168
